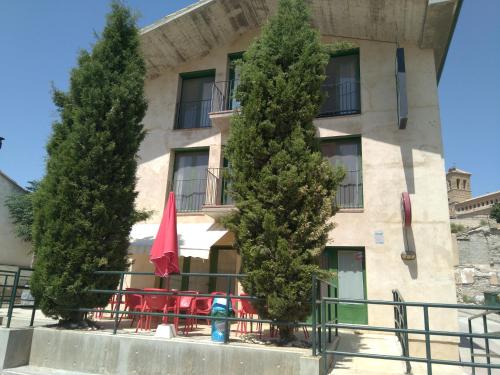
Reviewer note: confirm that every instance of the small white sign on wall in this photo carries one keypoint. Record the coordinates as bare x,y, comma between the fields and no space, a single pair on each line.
379,237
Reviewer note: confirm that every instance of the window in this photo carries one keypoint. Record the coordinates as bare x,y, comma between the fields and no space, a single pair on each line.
458,183
341,87
464,184
190,180
195,100
234,80
346,153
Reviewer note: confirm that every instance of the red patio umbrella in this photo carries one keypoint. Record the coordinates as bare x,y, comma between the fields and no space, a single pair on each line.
165,250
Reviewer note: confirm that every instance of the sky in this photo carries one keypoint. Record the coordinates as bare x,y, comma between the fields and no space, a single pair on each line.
40,41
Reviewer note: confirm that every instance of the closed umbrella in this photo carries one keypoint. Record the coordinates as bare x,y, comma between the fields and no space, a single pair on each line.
165,250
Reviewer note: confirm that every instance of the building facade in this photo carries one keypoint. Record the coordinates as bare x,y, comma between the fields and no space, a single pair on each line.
13,251
461,203
190,58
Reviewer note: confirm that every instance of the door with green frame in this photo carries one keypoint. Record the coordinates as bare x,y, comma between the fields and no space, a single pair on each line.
348,268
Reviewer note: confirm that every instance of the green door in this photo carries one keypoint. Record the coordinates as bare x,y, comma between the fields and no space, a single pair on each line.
348,266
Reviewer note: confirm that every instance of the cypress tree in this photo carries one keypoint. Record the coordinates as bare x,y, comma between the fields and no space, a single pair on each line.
84,208
283,188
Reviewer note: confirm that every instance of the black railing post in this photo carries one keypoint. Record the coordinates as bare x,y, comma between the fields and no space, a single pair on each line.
323,336
117,304
227,326
329,315
471,341
313,317
486,342
3,289
406,339
335,310
12,300
428,354
33,312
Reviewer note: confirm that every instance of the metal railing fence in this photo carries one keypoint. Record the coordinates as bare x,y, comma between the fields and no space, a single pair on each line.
193,114
190,194
488,355
5,276
426,332
117,311
350,190
20,280
217,188
401,322
341,99
321,289
224,96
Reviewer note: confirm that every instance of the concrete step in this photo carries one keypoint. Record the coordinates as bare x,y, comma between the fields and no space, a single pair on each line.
33,370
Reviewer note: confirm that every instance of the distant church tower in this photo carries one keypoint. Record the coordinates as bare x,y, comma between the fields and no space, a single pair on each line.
458,187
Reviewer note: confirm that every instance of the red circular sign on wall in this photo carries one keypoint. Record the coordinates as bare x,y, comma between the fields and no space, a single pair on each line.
406,209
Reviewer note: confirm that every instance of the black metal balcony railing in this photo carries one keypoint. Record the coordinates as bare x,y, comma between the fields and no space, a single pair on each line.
189,194
350,191
193,114
192,194
217,188
341,99
224,96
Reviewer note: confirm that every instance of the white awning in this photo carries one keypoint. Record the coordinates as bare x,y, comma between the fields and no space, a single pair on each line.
195,240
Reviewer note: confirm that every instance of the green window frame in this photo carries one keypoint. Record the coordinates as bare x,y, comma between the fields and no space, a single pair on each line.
233,80
346,152
195,100
342,85
189,180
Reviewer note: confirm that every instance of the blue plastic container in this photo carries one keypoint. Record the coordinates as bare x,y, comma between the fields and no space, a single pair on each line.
219,325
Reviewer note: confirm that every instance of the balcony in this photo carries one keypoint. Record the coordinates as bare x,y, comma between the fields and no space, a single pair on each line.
207,195
218,202
223,103
341,99
193,114
350,191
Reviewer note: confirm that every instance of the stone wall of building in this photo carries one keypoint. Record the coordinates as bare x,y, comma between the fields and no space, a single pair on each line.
479,262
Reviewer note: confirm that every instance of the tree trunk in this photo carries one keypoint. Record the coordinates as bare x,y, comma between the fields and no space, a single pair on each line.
286,333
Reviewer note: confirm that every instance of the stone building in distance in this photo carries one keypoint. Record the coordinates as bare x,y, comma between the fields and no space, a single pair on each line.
460,200
477,238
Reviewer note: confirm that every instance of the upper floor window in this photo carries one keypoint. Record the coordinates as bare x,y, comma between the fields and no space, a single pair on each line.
341,86
195,100
347,153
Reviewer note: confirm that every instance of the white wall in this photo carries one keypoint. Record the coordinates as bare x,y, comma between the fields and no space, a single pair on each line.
13,251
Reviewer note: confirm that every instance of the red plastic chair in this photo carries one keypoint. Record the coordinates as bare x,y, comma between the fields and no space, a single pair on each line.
186,305
152,303
204,304
172,301
133,302
112,303
246,311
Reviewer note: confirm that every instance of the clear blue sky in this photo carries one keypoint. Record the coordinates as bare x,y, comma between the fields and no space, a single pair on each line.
40,41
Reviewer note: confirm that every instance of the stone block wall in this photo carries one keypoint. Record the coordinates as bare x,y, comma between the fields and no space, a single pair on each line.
479,263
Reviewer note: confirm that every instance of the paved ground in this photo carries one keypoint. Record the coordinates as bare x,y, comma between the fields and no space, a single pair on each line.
379,344
493,321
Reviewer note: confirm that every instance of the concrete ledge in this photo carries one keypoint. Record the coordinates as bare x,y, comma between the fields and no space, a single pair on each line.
104,353
15,346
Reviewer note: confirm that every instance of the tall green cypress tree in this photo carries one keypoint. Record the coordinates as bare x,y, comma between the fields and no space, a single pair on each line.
283,187
84,208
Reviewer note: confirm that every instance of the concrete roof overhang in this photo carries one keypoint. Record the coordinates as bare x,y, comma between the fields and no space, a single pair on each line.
194,31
